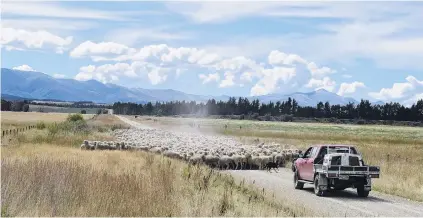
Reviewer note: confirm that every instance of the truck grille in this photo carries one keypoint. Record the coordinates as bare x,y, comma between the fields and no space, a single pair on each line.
344,168
354,161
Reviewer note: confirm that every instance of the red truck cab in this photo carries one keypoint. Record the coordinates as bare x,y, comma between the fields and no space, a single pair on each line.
314,155
334,167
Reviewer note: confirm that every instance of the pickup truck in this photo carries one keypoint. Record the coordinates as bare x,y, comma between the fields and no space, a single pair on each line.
334,167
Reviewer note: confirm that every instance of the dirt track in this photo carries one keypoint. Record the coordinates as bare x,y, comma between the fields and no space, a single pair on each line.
342,203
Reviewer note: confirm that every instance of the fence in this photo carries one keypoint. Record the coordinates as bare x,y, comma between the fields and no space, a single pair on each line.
17,130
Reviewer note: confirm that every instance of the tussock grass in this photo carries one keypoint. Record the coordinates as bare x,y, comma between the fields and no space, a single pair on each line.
397,150
44,174
60,181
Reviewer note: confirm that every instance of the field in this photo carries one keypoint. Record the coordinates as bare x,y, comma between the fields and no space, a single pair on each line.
397,150
10,120
44,173
53,109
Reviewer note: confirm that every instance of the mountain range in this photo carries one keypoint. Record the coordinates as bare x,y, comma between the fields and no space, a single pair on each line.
37,85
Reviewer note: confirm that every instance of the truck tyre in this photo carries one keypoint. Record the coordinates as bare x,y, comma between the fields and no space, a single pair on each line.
361,192
317,189
297,184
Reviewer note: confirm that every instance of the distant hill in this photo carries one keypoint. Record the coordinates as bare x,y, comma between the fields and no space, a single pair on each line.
36,85
309,98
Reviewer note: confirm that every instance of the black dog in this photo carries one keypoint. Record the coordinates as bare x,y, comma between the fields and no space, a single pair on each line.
271,165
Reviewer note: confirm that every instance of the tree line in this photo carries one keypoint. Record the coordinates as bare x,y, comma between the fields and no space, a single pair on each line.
14,105
242,106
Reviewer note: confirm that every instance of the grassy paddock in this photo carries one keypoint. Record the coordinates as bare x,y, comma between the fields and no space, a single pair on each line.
44,174
11,119
397,150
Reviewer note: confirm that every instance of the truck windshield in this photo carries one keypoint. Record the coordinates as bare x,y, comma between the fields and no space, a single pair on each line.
334,149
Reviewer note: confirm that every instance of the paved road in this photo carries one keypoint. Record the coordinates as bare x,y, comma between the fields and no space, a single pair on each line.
342,203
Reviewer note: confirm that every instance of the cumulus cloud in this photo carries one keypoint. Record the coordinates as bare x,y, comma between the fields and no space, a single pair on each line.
283,72
209,77
400,91
20,39
317,72
228,81
279,58
89,48
325,83
110,73
24,68
349,88
271,79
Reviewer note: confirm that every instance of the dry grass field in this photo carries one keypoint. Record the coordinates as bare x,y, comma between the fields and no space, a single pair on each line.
397,150
11,119
44,173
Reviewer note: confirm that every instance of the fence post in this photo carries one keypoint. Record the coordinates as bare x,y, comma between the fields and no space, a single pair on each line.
3,133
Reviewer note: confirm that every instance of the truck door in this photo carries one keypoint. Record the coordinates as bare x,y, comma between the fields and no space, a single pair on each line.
301,162
309,164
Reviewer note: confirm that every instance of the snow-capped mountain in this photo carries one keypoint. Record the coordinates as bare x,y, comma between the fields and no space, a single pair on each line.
37,85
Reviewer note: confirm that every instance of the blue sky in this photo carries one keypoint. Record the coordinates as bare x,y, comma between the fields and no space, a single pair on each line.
370,50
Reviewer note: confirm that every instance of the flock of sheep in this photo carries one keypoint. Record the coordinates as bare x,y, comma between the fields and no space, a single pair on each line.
215,151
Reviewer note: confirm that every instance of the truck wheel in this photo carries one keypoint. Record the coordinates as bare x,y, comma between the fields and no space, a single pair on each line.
297,184
317,189
361,192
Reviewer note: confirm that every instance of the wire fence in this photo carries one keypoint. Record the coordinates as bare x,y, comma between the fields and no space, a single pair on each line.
15,131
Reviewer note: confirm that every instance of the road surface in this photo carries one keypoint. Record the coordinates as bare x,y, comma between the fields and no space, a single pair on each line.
341,203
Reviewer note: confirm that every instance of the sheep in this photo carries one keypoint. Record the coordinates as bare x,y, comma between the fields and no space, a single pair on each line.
237,160
196,159
212,150
211,160
225,161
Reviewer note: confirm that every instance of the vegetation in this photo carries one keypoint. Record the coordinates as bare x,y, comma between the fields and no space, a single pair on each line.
364,110
397,150
10,120
55,178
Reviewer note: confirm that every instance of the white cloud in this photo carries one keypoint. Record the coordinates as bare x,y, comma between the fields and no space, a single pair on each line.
325,83
59,76
347,76
228,81
317,72
54,10
271,78
400,91
24,68
218,12
94,50
390,36
46,24
349,88
279,58
209,77
412,100
286,72
157,75
247,76
111,73
22,39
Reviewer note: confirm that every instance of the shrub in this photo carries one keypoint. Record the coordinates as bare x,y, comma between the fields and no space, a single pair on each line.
75,117
83,112
41,125
53,128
